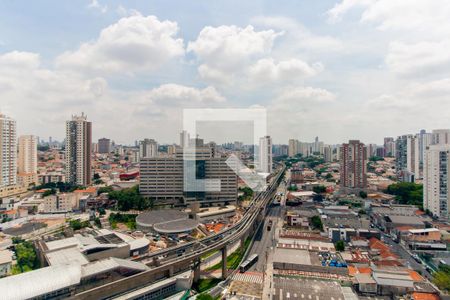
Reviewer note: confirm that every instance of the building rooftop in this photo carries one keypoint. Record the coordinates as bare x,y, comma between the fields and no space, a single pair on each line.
39,282
167,221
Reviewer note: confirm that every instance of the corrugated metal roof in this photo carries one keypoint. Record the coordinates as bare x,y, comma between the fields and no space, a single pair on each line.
111,263
39,282
65,256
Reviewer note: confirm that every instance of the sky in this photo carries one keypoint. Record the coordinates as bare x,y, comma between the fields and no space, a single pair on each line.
337,69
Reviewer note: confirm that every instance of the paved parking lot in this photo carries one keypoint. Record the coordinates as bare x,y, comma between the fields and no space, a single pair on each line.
307,289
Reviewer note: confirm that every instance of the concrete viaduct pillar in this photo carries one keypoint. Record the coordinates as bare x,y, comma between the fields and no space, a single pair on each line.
224,262
197,270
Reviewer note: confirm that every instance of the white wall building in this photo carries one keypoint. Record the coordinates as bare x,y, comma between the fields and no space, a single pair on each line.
265,154
436,193
8,151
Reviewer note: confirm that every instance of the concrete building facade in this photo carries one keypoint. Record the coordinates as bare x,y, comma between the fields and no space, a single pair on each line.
104,145
162,178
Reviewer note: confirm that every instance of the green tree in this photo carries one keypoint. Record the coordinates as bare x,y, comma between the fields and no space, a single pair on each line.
205,296
340,246
319,189
77,224
363,194
316,223
26,257
407,193
441,278
130,198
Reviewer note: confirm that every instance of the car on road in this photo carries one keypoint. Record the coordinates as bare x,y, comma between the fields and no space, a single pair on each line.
417,258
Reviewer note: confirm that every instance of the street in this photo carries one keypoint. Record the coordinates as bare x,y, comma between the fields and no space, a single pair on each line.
266,239
411,262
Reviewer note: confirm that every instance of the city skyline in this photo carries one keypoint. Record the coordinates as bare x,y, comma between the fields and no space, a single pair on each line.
313,64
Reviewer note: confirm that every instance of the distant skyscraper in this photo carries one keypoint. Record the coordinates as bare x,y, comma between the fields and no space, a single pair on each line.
27,162
78,150
436,191
265,154
104,145
184,139
8,151
148,148
353,159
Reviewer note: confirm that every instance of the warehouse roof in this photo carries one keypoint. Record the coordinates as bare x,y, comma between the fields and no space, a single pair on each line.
40,282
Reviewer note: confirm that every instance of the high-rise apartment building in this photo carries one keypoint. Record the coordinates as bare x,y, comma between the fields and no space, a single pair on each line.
27,159
353,160
407,158
148,148
327,153
78,150
8,151
389,146
293,147
104,145
436,180
440,137
265,154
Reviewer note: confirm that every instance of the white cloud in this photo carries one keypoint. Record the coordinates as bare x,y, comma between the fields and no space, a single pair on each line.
229,46
291,97
19,60
267,70
175,94
226,50
336,13
133,44
419,58
125,12
95,4
297,37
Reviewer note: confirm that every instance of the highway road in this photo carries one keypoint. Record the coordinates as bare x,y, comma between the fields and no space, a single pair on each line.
265,240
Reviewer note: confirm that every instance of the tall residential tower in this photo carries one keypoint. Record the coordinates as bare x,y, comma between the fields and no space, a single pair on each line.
353,160
78,150
8,151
